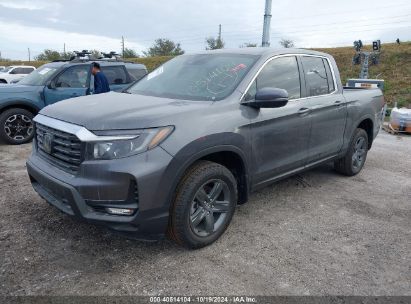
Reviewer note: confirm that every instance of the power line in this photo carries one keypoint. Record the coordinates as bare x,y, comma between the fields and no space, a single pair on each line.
230,33
340,22
308,34
250,33
200,27
343,12
235,33
333,29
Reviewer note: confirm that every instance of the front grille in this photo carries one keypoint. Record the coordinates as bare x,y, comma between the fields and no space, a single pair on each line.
63,150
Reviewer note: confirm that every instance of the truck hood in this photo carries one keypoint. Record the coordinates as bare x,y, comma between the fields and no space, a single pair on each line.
17,88
121,111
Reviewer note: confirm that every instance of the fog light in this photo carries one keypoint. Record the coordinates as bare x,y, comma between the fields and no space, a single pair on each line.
120,211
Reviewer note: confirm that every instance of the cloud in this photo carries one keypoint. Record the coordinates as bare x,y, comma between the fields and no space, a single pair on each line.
17,33
30,5
82,24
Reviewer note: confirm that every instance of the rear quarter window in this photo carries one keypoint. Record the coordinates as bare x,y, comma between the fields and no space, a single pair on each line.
115,74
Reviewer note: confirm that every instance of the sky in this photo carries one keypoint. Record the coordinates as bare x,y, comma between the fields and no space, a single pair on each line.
87,24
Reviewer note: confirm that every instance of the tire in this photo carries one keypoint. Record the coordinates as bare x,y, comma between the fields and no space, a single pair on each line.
197,220
16,126
354,160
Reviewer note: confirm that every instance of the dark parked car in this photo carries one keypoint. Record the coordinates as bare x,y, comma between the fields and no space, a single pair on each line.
195,137
54,82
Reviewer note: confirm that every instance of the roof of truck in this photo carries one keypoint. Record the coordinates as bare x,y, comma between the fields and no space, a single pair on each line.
262,51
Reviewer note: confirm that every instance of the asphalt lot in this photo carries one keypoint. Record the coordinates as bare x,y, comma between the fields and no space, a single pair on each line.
314,234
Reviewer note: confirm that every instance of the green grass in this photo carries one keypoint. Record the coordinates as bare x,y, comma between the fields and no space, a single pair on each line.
394,68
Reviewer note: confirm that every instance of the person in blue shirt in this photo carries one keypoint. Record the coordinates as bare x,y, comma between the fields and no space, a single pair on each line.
100,80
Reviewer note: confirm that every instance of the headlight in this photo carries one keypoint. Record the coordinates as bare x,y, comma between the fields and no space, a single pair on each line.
146,140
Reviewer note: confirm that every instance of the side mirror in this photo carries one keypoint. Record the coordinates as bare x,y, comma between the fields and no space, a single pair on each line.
268,98
51,85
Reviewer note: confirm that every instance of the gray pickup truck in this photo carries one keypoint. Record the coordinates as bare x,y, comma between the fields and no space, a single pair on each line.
196,136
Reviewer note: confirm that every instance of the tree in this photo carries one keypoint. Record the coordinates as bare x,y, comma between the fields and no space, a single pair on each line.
48,55
66,55
95,54
130,53
287,43
164,47
248,44
214,43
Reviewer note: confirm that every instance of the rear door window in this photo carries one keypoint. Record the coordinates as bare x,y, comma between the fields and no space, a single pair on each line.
316,77
115,74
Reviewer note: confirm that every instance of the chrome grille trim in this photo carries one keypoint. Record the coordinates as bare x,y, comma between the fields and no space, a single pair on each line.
65,148
80,132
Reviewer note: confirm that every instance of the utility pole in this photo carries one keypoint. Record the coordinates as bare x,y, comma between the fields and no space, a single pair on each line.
28,49
219,32
267,22
122,45
64,50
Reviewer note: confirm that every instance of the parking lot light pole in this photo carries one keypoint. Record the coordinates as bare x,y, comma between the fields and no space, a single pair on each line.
267,22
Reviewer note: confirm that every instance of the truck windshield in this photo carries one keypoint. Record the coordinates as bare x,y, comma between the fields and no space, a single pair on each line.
196,77
39,76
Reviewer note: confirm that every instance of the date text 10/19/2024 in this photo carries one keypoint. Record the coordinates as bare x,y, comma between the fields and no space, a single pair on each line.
205,299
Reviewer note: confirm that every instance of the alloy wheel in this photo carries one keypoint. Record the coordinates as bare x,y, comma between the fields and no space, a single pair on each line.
209,207
360,150
18,127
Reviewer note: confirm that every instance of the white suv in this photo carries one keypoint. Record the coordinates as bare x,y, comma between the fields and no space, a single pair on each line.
14,73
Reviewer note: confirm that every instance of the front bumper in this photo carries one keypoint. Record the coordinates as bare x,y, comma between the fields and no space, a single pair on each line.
132,182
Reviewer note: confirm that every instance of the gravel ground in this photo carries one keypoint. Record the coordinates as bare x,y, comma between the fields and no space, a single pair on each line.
314,234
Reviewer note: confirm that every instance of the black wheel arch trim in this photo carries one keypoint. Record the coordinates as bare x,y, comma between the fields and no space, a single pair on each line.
180,164
349,132
19,104
360,121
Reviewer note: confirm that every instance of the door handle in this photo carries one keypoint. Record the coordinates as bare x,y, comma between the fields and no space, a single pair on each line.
303,111
338,103
74,94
